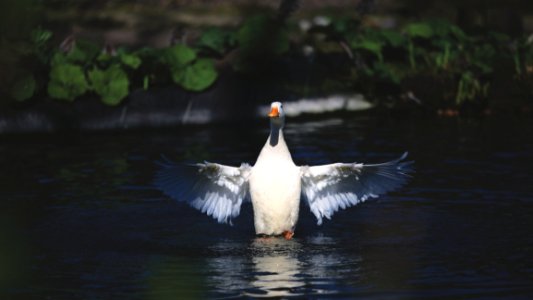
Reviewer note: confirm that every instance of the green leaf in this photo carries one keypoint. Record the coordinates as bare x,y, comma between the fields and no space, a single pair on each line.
104,57
130,60
420,30
146,82
371,46
82,52
111,84
196,77
393,38
40,36
215,39
470,88
24,87
67,82
179,56
77,55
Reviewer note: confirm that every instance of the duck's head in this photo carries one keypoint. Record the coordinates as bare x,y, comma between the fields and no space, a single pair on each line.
276,115
276,110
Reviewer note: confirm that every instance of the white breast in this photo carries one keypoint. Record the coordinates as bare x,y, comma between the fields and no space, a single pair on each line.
275,187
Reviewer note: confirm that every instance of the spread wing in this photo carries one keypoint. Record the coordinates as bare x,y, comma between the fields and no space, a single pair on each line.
212,188
330,187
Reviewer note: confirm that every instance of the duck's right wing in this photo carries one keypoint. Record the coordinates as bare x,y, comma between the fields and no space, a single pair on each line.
215,189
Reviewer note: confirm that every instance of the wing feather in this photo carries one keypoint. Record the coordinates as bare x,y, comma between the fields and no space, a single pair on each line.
214,189
328,188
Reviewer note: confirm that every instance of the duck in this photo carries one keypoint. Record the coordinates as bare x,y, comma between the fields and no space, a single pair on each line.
275,185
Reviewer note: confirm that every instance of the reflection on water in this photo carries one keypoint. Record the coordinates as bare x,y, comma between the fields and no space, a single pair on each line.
277,268
273,266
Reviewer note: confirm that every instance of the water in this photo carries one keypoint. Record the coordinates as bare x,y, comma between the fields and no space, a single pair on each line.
79,219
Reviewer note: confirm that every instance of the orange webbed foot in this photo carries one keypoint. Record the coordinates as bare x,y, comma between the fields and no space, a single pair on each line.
287,234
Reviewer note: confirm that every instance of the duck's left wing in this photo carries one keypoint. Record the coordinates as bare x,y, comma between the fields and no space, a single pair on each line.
330,187
215,189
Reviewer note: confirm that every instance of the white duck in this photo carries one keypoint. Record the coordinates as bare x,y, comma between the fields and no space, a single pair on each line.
275,184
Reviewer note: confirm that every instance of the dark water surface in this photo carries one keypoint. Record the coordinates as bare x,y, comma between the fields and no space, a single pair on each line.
79,219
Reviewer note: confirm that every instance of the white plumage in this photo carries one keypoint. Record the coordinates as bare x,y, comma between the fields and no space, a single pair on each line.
275,184
275,187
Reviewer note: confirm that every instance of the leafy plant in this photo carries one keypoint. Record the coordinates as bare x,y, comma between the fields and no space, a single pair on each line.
178,56
374,47
187,71
131,60
40,39
419,30
470,88
20,61
81,52
197,76
522,53
416,31
111,84
384,61
436,42
392,38
216,40
67,81
122,57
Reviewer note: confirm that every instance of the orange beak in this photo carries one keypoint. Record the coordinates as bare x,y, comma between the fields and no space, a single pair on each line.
274,113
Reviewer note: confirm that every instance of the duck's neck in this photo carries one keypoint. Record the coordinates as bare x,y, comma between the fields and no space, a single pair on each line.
275,149
276,132
275,135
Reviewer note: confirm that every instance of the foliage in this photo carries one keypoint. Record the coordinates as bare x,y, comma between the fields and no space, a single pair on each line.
111,84
40,39
433,49
523,56
196,76
67,81
465,64
15,62
131,60
470,88
189,72
418,30
178,56
81,66
217,40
